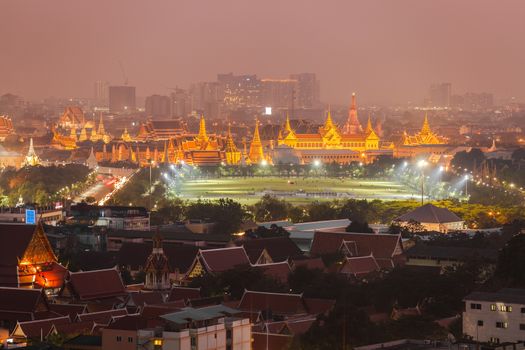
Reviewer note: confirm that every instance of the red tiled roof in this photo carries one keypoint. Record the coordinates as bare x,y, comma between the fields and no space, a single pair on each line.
71,310
279,248
145,298
223,259
129,323
360,265
276,303
154,311
310,263
300,326
383,246
263,341
317,306
14,239
103,317
184,293
75,328
22,300
89,285
35,329
278,271
9,276
134,255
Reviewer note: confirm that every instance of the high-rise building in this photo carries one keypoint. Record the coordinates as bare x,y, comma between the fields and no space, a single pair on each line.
278,93
207,98
101,92
122,99
158,106
440,94
240,90
181,103
308,90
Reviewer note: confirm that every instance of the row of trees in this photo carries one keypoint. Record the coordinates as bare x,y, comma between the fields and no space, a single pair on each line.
42,185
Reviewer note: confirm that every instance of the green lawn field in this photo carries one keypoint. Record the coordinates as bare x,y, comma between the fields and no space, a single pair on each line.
294,190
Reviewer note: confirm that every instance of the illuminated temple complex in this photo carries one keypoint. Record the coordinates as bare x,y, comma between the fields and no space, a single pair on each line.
73,128
424,137
6,127
331,143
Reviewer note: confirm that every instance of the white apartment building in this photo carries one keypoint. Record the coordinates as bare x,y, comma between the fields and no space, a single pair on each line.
495,317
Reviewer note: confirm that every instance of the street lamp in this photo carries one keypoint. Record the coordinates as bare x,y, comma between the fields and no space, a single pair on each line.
466,185
421,165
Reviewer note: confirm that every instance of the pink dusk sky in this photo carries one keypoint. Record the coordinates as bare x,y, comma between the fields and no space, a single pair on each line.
389,51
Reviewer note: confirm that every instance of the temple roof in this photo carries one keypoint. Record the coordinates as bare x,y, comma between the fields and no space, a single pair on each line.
429,213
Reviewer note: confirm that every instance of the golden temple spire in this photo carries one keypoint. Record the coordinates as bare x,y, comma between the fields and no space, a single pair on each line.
233,156
329,123
101,130
369,127
202,137
125,135
287,126
256,150
426,126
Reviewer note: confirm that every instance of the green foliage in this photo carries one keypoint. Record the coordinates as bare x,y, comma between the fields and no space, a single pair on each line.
273,231
41,185
225,213
359,227
270,208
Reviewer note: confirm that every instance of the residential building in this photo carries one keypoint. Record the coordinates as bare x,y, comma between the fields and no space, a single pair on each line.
440,94
497,317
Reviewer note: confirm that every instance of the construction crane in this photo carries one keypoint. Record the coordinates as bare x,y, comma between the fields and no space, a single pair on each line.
123,73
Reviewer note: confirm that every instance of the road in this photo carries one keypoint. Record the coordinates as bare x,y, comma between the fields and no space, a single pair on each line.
99,190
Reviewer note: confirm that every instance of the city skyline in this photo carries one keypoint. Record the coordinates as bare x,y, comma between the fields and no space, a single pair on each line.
389,53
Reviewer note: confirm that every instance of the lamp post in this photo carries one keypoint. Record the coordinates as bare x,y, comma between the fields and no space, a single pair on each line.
151,162
421,165
466,185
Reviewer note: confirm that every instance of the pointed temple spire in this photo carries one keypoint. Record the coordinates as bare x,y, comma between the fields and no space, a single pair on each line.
256,150
233,156
287,126
101,130
352,126
329,123
91,161
426,126
31,157
203,136
369,127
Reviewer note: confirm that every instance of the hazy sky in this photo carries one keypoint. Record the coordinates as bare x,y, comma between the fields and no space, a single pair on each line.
386,50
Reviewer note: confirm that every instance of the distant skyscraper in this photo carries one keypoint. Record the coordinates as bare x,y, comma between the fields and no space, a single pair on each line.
101,92
181,103
207,98
158,106
122,99
440,94
240,90
473,101
309,88
278,93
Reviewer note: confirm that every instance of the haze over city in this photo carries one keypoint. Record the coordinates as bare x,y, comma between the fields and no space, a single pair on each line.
389,51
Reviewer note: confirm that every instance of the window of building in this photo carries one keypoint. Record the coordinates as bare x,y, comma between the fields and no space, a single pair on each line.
523,310
502,325
193,341
480,323
493,307
475,306
494,340
505,308
130,339
522,326
119,338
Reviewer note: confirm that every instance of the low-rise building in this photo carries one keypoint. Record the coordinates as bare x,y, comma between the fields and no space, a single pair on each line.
112,217
432,218
495,317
